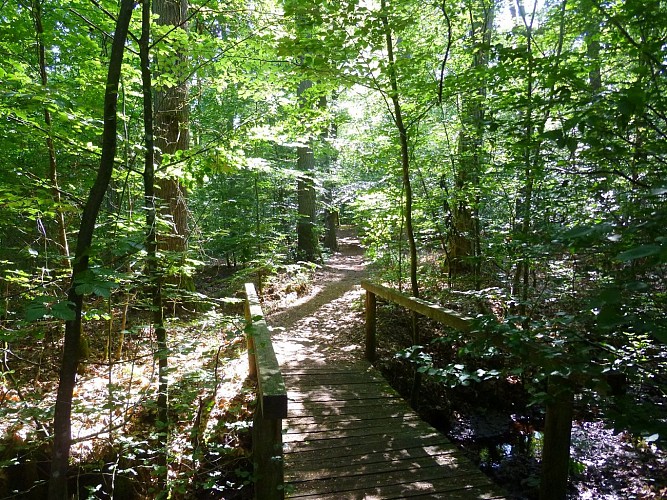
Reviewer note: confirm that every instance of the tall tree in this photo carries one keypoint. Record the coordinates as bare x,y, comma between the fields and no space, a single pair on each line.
172,134
62,424
307,241
402,130
465,244
153,272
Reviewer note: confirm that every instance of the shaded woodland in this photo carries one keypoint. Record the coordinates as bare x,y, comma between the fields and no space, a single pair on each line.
506,159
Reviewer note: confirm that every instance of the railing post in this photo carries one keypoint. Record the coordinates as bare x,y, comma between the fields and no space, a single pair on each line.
557,433
268,457
371,315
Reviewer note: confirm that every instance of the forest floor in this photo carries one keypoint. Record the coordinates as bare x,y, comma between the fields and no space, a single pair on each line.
328,310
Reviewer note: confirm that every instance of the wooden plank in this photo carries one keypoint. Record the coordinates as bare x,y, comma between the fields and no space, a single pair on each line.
379,462
434,311
336,378
431,490
353,386
339,397
370,443
390,430
325,408
369,387
272,394
455,481
302,422
351,409
359,453
312,367
306,463
379,420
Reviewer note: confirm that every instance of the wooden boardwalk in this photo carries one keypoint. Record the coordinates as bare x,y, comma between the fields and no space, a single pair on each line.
348,435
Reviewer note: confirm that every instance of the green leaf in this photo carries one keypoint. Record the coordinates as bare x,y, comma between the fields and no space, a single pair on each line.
89,282
37,309
41,307
63,310
639,252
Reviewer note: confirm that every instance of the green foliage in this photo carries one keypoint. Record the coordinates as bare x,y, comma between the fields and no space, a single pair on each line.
563,175
44,307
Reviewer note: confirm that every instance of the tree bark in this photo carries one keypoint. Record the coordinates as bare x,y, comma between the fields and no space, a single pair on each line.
465,221
405,150
407,187
152,266
53,164
330,213
172,135
307,244
70,359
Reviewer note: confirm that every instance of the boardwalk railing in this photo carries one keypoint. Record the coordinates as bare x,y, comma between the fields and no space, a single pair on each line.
558,424
267,443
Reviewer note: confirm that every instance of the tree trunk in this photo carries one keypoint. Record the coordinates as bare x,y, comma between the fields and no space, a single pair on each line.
330,213
465,227
405,150
62,425
331,225
152,272
53,164
307,244
407,187
172,135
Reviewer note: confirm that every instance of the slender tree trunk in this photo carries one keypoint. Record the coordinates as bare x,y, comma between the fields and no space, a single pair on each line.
152,270
405,168
534,126
62,424
307,244
53,164
330,213
593,53
405,150
525,204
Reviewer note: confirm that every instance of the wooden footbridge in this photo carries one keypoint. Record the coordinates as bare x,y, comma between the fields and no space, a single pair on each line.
328,426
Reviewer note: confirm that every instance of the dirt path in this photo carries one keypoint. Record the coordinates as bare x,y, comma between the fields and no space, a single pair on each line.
327,324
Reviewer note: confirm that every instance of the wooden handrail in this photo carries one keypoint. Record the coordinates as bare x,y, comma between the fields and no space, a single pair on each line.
267,444
559,409
428,309
262,358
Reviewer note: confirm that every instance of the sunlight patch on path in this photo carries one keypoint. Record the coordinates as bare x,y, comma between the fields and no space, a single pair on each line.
326,326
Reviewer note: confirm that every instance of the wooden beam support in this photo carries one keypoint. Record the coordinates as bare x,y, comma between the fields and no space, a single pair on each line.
557,433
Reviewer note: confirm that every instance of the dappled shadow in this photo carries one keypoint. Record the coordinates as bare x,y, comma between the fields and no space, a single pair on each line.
348,434
324,326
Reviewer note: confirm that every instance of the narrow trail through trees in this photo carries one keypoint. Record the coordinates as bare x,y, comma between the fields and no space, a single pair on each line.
348,434
327,323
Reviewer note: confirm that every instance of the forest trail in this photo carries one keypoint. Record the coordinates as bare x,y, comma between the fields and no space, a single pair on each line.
326,325
348,435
